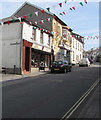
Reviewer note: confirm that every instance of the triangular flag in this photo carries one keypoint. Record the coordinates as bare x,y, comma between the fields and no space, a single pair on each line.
36,13
81,3
44,20
73,8
65,1
60,13
34,27
40,22
48,9
21,22
48,19
60,4
64,13
85,1
25,16
30,15
42,11
35,22
54,16
8,22
19,19
13,20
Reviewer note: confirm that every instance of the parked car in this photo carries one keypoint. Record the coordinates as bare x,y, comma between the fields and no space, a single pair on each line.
84,62
61,66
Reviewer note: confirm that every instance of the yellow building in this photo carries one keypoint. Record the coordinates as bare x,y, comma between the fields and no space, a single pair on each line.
61,40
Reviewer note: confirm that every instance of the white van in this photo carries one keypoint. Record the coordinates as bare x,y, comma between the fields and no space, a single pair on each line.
84,62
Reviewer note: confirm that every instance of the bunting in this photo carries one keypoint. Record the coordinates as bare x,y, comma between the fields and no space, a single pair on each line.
73,7
60,4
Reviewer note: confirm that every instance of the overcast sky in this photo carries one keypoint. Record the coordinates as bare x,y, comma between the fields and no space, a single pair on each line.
84,20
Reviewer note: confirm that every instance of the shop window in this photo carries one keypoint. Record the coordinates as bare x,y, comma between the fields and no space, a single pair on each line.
41,37
34,34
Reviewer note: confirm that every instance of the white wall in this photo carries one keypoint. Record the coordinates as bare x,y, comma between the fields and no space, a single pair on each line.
27,32
77,50
27,35
11,53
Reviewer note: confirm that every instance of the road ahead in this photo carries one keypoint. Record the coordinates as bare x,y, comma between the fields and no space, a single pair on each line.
47,96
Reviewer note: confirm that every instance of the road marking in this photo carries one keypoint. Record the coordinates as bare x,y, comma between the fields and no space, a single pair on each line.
76,105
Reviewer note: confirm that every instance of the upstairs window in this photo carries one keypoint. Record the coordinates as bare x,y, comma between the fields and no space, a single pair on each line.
41,37
64,33
34,34
59,31
49,38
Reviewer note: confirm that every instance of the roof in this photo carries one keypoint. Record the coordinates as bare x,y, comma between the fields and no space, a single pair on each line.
67,27
78,38
28,8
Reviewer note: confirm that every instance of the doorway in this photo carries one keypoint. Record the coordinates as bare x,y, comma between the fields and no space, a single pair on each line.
27,58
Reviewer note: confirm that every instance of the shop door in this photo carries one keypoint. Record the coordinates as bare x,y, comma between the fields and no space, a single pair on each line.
27,59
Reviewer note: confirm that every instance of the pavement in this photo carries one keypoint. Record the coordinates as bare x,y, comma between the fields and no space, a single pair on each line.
7,77
10,77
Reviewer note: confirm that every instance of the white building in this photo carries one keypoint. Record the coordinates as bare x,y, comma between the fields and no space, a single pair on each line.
21,43
77,47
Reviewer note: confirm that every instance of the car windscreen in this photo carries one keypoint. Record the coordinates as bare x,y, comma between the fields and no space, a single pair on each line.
57,63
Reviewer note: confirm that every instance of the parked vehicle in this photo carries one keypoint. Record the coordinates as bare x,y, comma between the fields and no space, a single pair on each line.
84,62
61,66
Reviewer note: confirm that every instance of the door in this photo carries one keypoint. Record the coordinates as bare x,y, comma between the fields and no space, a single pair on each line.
27,58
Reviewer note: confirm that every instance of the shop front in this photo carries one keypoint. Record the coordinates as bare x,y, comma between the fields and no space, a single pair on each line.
40,55
64,52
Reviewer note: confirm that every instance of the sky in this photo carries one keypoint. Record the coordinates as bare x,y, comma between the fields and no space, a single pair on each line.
83,21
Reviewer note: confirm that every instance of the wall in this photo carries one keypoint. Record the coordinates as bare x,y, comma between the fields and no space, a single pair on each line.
77,48
56,37
27,35
11,34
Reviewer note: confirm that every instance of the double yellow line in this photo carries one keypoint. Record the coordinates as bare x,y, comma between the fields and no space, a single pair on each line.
77,104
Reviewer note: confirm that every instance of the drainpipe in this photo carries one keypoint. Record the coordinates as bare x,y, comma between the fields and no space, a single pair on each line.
21,43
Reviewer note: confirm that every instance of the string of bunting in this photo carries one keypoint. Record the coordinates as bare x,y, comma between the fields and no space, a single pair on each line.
73,7
29,22
92,37
88,37
19,18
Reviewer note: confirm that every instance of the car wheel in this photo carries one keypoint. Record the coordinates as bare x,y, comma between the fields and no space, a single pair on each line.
65,70
69,70
52,71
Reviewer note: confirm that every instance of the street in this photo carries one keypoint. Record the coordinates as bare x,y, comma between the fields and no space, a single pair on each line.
46,96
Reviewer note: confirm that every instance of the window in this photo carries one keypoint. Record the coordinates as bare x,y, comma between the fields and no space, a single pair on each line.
76,44
34,34
54,27
73,42
73,56
59,30
64,33
49,40
41,37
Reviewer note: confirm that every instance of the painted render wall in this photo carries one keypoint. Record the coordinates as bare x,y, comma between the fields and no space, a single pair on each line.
10,52
27,35
76,51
